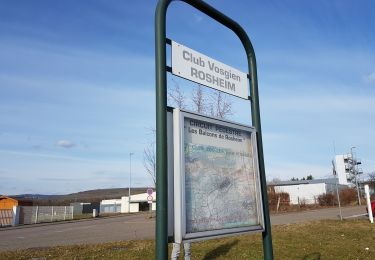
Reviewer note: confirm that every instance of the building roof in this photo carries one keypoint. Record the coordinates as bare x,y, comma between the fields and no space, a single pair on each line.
287,183
10,198
5,197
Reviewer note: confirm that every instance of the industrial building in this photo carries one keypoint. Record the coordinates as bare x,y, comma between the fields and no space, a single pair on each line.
347,168
138,202
305,191
85,207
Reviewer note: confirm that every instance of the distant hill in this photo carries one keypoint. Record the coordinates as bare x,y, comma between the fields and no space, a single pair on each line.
33,196
82,196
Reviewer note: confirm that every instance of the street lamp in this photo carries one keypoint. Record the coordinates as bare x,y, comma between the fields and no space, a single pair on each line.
130,178
354,164
337,189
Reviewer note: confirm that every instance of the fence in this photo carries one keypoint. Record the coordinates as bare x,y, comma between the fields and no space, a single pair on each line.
40,214
110,208
6,217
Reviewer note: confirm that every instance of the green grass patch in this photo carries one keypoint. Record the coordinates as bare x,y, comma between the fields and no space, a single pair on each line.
329,239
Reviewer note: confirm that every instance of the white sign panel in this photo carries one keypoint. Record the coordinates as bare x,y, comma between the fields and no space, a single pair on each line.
197,67
216,179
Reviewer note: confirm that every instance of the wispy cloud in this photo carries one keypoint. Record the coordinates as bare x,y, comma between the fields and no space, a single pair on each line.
369,78
59,63
65,143
56,179
46,156
37,147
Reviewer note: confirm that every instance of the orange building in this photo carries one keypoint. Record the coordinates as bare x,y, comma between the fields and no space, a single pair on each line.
8,203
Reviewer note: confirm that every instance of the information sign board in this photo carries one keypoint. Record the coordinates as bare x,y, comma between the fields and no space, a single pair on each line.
197,67
216,178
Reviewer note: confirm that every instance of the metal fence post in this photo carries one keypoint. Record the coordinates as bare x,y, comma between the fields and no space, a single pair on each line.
36,214
16,216
369,208
52,215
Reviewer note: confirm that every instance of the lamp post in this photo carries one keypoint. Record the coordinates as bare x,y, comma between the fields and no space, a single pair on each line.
337,189
130,178
354,164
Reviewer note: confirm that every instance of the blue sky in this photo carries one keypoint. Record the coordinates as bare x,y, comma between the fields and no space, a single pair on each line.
77,86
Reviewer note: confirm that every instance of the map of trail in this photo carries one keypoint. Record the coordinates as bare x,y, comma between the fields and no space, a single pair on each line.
220,188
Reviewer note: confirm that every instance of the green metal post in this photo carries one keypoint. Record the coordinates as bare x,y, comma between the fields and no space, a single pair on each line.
161,133
255,114
161,126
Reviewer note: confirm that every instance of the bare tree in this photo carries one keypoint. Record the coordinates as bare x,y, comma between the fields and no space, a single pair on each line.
149,161
149,157
199,101
177,96
215,105
371,180
276,180
220,106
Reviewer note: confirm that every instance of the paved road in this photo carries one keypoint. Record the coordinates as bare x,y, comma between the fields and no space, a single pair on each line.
80,232
330,213
131,227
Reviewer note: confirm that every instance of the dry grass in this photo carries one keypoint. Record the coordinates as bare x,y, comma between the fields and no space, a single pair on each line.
330,239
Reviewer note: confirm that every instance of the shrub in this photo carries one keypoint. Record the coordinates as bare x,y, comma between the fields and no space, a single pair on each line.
273,198
302,203
327,199
348,196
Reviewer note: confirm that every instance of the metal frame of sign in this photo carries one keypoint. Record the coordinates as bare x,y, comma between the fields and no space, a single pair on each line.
179,180
161,70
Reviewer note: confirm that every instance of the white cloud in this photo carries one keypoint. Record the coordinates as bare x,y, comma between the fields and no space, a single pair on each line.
65,143
370,78
44,156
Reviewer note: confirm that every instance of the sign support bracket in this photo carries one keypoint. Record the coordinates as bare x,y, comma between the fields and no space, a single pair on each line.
161,121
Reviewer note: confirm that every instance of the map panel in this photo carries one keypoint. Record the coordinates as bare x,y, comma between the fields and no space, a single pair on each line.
220,177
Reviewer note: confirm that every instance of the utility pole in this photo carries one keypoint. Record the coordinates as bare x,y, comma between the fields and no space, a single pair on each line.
355,172
130,178
337,189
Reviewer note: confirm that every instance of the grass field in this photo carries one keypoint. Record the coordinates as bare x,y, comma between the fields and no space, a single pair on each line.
330,239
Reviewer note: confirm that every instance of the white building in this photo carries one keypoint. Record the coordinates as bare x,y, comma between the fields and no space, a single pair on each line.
84,207
137,203
346,168
110,206
306,191
343,168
